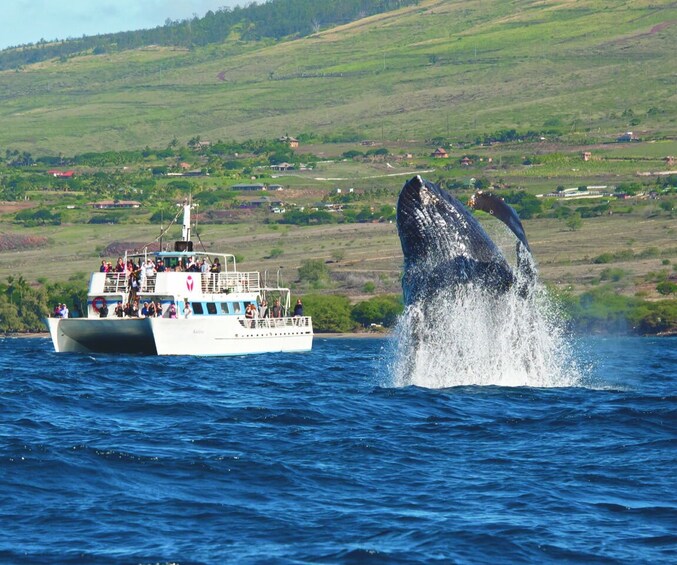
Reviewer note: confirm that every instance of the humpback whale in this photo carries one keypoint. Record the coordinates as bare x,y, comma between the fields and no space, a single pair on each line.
471,317
445,247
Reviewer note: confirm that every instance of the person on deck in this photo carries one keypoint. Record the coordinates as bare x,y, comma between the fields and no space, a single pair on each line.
276,312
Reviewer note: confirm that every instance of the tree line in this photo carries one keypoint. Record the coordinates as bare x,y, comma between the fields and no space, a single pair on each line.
24,305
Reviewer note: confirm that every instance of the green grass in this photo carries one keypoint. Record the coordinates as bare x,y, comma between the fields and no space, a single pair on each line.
477,66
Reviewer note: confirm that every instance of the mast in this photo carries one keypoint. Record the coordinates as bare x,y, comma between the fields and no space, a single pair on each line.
185,233
185,244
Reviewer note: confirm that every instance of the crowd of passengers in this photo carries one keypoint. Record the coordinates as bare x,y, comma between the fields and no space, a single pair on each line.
152,309
131,310
136,273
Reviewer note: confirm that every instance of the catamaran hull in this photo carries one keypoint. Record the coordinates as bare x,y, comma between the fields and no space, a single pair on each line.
193,336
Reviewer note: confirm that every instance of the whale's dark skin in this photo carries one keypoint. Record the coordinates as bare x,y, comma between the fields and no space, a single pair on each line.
444,245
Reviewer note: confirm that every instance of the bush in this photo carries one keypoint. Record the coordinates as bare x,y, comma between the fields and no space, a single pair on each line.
313,271
666,287
603,258
330,313
383,310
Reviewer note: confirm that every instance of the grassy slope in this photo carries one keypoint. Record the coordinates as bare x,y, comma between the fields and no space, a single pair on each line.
452,67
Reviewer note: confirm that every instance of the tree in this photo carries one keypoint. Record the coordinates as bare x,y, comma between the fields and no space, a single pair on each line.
330,313
574,222
383,310
313,271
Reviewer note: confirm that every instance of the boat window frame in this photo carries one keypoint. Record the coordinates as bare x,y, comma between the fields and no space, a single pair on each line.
198,308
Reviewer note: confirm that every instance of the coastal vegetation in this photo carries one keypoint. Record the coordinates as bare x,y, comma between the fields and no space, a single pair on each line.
293,144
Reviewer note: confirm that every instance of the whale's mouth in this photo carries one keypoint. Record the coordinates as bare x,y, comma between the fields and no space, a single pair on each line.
433,225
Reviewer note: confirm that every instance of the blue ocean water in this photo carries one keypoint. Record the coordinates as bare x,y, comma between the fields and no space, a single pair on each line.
321,458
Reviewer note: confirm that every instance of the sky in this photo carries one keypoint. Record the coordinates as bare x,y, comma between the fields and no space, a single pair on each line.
28,21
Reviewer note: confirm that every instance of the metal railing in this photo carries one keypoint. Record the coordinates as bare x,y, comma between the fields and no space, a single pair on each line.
269,323
215,283
115,282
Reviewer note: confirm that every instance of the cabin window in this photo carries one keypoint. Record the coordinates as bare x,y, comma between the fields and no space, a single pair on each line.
211,308
197,308
237,307
224,308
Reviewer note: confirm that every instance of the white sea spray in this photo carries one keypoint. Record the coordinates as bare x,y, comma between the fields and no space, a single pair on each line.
468,335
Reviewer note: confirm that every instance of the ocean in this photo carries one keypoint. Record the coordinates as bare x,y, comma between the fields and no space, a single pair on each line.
328,457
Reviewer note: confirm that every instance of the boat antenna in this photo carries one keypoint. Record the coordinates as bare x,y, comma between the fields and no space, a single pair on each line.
185,233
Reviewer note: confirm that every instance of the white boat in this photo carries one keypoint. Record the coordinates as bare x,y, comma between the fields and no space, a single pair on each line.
203,313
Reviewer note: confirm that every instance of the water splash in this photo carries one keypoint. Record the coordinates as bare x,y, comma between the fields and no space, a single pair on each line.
469,336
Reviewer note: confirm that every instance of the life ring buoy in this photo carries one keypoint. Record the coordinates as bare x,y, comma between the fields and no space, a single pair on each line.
98,303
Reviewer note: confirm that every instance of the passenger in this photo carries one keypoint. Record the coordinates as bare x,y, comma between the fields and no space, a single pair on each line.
103,311
151,309
298,309
64,311
150,268
172,311
158,309
145,312
133,285
120,266
250,313
127,309
277,310
160,267
187,311
204,266
263,309
134,309
216,266
119,310
104,267
56,313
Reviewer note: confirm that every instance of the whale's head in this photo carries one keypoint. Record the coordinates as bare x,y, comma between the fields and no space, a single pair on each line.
443,244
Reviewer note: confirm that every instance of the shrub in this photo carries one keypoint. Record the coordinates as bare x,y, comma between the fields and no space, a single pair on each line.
330,313
369,287
313,271
603,258
666,287
383,310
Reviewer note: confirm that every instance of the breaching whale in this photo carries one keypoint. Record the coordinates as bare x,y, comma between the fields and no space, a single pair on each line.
445,247
471,316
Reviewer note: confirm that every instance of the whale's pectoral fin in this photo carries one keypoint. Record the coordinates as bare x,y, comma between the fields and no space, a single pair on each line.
496,206
526,270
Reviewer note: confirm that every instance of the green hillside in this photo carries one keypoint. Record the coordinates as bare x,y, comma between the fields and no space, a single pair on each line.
453,69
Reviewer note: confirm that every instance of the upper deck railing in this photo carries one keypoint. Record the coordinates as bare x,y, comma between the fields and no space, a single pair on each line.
210,283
